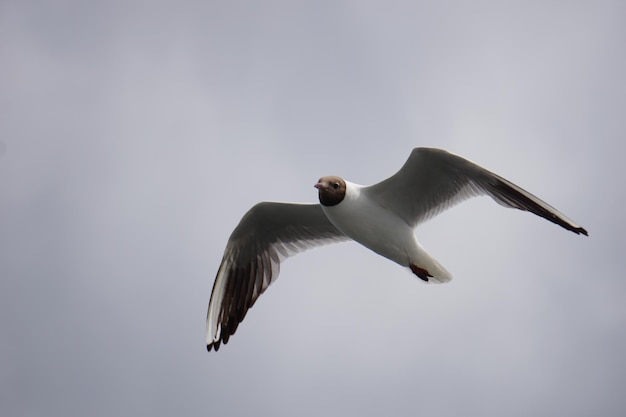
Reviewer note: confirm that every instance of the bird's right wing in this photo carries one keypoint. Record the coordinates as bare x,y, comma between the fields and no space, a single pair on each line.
267,233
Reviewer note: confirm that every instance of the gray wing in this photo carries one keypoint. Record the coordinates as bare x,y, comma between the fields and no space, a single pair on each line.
267,233
433,180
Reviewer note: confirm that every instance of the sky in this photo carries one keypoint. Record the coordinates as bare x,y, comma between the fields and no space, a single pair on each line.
134,135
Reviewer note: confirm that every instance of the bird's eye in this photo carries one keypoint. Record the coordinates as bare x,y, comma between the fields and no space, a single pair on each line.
335,185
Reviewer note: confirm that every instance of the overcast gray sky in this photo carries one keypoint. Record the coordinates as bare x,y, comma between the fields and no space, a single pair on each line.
135,134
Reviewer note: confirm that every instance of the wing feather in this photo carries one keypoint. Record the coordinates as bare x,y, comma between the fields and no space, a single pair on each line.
267,234
433,180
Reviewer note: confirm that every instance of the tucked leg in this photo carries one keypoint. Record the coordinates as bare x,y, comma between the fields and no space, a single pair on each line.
420,272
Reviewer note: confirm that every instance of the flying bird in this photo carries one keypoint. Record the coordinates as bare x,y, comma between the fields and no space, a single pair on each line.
382,217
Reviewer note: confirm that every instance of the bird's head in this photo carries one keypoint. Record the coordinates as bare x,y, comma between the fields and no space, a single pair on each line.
332,190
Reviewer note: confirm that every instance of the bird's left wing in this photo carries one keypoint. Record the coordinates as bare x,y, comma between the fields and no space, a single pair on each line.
433,180
267,233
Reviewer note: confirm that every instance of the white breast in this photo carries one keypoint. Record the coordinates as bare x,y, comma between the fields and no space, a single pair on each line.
373,226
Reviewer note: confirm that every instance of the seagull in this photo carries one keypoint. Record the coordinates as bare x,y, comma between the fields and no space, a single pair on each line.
382,217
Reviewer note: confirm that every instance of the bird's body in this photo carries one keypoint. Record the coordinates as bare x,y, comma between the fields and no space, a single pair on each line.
367,222
381,217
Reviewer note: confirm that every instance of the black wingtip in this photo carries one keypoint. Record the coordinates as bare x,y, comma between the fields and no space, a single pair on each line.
508,195
566,225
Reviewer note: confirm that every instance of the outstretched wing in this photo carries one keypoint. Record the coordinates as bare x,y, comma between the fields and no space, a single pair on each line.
267,233
433,180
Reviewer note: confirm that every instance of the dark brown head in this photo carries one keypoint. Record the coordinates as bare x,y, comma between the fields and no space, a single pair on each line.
332,190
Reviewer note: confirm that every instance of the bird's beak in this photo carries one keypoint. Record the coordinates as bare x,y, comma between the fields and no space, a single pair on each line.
319,186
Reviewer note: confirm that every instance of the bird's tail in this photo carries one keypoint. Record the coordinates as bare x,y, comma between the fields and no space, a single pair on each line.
427,268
